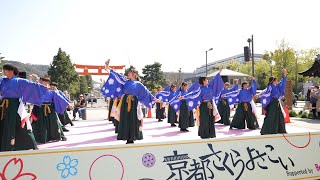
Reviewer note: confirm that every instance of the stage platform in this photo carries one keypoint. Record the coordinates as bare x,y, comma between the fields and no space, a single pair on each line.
92,152
98,132
87,133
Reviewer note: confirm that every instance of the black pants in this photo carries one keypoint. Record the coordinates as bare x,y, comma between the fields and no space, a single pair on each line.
314,110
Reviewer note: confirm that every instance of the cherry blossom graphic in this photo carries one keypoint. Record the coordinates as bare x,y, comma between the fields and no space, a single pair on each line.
68,167
13,171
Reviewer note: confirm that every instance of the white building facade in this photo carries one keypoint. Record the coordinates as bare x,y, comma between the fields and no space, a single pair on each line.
201,71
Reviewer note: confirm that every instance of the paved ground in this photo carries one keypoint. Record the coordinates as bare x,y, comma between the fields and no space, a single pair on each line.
98,132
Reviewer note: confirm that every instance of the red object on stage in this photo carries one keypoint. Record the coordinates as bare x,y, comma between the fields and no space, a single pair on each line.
287,119
149,113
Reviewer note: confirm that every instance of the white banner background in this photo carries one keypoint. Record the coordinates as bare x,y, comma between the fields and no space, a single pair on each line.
293,156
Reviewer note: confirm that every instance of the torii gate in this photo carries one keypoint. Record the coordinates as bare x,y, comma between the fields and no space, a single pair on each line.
99,68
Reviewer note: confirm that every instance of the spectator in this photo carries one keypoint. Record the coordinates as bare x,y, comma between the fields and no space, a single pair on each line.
294,99
313,101
317,93
307,103
80,107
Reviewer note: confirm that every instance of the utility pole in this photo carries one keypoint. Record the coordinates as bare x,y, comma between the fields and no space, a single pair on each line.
250,41
207,60
252,56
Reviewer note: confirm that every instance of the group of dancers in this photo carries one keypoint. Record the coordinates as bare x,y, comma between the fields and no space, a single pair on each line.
203,104
21,132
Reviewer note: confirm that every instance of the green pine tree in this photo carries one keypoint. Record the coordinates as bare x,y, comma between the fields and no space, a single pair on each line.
126,71
153,76
61,70
1,63
89,82
83,85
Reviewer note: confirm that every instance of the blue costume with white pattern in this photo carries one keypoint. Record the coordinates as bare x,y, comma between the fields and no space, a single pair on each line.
117,85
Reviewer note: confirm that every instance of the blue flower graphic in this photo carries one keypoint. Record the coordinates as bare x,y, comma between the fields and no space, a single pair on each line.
68,167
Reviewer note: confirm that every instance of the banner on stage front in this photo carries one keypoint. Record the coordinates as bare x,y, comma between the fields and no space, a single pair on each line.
289,156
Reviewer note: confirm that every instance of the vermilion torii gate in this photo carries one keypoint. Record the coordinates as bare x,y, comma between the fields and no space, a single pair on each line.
99,69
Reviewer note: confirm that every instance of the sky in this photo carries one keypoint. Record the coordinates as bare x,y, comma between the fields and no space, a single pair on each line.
175,33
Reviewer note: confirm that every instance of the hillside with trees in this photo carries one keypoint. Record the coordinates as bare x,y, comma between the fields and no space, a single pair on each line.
39,70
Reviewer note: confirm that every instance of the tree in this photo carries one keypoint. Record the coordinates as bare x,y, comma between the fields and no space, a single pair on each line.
262,72
234,66
305,61
285,56
1,57
61,70
126,71
153,76
89,82
1,63
262,69
294,61
83,85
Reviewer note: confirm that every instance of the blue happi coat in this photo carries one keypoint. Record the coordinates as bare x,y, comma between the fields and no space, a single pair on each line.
199,93
27,91
226,91
273,92
243,95
58,98
117,85
166,96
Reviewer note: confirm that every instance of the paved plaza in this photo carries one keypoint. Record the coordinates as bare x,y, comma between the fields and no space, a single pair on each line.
96,131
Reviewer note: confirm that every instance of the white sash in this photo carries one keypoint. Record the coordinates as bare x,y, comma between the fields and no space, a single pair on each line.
216,113
139,111
254,108
282,110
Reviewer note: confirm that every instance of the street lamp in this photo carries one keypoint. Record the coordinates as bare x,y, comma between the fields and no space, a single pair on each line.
250,40
207,60
296,74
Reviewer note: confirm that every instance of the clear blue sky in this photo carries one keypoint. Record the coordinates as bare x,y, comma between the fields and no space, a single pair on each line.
175,33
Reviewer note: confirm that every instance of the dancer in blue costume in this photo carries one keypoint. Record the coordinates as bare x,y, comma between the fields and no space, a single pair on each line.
13,134
202,95
223,104
133,92
46,127
270,98
186,118
172,116
244,111
160,109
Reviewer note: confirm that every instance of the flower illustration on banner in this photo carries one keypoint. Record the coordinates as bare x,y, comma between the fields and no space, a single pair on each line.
116,167
13,171
148,160
68,167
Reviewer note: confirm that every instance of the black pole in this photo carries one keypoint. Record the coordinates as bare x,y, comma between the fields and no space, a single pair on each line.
296,75
252,56
206,63
250,53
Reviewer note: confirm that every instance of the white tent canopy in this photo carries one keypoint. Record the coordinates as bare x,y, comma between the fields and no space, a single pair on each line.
229,73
